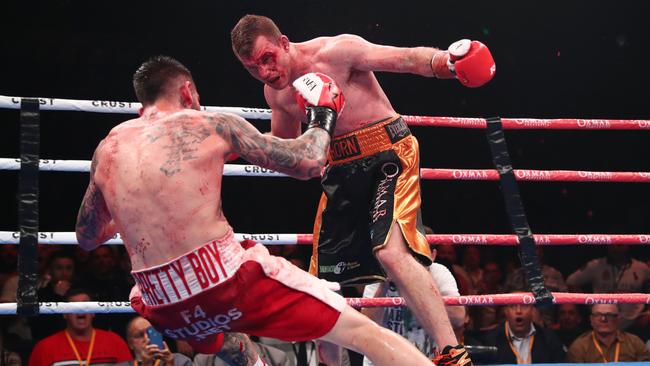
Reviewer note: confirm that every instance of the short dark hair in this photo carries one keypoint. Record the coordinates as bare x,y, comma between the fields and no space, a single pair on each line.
153,76
248,28
74,291
59,254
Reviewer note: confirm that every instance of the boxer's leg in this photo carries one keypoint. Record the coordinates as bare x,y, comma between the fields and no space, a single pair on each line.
382,346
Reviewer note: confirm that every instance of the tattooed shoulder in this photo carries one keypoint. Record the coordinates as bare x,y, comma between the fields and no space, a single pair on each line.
224,124
183,135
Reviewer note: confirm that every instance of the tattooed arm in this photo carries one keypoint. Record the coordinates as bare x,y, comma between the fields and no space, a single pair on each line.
238,350
94,222
302,158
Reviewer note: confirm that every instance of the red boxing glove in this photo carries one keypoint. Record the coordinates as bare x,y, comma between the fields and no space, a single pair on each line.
318,90
322,99
472,62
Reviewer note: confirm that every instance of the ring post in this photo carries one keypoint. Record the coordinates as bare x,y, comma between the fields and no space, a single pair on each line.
27,297
516,213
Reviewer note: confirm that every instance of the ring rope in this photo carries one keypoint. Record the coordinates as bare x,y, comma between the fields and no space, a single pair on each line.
69,238
472,300
238,170
529,175
104,106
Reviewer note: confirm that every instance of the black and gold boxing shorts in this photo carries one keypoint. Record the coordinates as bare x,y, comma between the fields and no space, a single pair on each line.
371,182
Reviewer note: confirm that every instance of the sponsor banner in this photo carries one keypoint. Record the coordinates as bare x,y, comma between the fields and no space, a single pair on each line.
250,170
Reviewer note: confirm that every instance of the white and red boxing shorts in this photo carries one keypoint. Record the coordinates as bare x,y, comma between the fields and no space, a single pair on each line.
221,287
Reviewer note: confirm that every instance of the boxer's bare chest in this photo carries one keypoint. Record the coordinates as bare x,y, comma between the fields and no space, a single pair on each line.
365,101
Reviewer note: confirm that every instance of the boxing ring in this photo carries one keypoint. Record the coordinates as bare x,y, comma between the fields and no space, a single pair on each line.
29,165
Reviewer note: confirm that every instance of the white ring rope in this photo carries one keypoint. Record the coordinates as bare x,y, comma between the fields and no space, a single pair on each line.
104,106
241,170
472,300
69,238
48,308
51,165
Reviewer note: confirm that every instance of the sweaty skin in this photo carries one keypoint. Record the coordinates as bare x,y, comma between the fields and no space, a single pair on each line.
158,179
349,60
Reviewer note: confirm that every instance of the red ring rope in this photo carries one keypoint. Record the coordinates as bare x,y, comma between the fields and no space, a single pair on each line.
537,175
512,299
511,240
531,123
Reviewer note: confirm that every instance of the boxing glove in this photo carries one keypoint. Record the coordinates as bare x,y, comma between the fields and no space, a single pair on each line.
471,62
321,98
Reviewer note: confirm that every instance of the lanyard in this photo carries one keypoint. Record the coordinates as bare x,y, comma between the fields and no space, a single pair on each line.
514,349
76,353
600,350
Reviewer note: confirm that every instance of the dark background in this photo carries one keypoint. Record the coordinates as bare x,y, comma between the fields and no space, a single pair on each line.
574,59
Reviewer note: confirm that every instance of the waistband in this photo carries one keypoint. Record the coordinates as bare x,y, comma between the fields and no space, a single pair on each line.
192,273
369,140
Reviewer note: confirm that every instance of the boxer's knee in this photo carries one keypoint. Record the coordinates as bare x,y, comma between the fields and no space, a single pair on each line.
396,249
387,257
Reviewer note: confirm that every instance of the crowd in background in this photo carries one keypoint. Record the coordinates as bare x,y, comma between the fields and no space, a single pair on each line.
564,331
